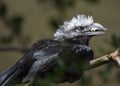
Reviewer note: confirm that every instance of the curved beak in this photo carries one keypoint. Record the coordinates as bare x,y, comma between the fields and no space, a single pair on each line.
96,29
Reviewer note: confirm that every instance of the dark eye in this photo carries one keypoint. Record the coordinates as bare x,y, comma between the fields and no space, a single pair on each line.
81,27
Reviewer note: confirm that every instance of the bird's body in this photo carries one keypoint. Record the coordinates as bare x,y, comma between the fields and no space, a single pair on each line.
69,53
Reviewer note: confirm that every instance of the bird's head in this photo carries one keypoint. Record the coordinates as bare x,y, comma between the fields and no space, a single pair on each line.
79,27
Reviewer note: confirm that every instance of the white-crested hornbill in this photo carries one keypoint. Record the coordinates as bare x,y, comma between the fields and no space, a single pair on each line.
65,56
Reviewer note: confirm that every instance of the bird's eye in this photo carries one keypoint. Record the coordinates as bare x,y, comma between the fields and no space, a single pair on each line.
81,27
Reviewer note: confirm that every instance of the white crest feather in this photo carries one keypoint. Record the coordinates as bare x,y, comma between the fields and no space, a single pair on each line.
80,20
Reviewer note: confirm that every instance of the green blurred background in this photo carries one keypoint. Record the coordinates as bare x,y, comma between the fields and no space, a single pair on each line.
23,22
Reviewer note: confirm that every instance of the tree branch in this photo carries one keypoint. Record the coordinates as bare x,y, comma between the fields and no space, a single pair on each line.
112,57
13,48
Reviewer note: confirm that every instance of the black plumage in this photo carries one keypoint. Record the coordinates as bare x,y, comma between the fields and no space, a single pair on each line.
69,53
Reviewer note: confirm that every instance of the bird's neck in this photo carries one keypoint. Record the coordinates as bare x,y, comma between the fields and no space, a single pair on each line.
81,41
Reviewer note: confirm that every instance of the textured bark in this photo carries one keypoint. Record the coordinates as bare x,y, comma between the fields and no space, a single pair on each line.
112,57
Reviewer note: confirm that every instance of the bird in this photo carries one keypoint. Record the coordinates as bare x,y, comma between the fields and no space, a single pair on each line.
63,58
